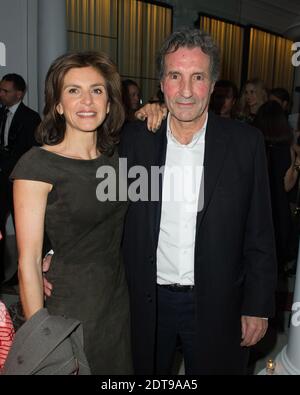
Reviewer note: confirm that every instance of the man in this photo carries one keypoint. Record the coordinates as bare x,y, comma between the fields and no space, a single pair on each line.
17,126
201,270
282,96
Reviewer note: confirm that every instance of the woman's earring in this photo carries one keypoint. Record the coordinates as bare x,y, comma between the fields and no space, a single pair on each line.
60,110
60,113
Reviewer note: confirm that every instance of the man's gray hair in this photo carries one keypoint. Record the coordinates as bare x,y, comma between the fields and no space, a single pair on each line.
190,38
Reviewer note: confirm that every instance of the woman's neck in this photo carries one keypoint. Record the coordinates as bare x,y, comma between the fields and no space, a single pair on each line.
82,145
253,109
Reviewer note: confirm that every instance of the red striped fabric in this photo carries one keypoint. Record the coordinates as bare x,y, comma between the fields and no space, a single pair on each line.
7,333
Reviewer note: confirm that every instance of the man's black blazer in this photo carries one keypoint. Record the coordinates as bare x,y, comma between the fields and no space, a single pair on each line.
235,266
21,136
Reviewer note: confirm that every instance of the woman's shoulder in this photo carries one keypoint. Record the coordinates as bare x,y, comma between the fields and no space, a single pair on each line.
34,153
34,165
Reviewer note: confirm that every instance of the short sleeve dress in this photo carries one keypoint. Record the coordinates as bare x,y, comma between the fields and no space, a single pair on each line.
86,271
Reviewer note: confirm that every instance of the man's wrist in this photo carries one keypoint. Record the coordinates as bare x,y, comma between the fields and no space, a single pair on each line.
297,164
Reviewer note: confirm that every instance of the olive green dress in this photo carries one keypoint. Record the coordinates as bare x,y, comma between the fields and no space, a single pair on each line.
86,271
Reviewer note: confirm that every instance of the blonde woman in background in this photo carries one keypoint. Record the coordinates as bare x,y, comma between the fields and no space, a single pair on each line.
254,94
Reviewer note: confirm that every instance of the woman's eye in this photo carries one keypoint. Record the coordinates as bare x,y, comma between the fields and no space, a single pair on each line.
98,91
73,90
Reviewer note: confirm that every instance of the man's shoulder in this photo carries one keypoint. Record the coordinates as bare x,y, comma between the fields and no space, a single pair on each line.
135,138
237,130
28,112
134,129
137,131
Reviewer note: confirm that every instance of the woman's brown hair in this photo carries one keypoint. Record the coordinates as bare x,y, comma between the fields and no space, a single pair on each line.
272,121
52,129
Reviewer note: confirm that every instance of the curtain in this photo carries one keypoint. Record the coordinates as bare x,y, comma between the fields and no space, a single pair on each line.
269,56
142,28
270,59
92,24
283,68
262,51
129,31
229,38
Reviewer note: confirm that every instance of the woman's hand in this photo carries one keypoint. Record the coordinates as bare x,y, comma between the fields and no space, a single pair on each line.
47,286
155,114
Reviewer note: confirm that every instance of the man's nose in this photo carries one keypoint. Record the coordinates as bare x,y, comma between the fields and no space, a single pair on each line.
186,87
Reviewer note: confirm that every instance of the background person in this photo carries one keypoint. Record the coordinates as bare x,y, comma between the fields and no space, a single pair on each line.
282,97
254,94
131,94
224,98
17,127
272,122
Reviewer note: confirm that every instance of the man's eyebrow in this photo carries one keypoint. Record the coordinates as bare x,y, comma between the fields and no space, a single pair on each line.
196,72
204,73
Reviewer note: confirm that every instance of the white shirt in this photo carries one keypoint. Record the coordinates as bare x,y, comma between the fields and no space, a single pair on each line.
10,115
180,200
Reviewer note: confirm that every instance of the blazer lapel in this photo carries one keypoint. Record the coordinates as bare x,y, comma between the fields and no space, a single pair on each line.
161,147
215,150
162,144
214,154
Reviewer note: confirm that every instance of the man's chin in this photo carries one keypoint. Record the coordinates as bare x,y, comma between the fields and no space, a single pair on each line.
188,118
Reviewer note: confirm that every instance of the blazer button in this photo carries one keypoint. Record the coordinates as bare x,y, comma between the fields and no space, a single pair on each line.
46,331
20,359
149,298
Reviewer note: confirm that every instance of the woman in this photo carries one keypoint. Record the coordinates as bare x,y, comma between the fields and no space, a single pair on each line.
254,94
55,187
131,95
271,120
223,99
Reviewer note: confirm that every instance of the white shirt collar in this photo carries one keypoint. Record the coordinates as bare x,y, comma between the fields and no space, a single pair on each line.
198,137
14,108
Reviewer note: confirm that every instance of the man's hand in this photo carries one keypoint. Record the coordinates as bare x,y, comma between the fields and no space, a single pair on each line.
296,149
45,267
155,114
253,330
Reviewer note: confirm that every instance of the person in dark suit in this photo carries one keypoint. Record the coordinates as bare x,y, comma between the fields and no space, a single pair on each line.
201,268
17,127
